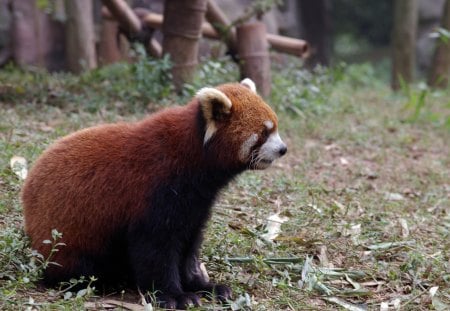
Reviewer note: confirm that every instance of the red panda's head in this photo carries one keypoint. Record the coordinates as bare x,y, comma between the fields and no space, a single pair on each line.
240,125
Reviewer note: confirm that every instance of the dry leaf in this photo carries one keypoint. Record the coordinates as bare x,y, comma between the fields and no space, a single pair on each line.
384,306
433,291
344,304
404,225
392,196
19,166
344,161
323,257
113,304
353,232
273,226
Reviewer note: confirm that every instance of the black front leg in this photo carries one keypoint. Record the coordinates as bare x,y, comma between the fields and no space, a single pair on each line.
194,280
154,256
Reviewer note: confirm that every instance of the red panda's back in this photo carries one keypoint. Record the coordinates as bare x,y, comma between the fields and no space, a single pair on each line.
83,187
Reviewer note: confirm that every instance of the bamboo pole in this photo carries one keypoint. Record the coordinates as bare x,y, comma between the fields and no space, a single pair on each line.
181,28
254,57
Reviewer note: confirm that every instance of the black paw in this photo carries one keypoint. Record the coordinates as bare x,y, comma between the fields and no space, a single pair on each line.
179,302
222,292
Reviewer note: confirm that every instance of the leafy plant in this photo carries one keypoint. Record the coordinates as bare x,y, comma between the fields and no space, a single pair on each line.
442,34
299,91
20,267
152,76
416,98
210,73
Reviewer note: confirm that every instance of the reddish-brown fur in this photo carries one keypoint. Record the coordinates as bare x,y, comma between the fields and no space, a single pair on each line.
91,184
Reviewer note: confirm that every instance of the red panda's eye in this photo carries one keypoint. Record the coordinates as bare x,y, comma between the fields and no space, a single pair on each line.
265,133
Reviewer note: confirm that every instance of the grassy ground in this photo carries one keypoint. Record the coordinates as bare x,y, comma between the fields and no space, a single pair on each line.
364,190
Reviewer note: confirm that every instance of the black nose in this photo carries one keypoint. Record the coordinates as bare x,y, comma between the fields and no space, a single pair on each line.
282,150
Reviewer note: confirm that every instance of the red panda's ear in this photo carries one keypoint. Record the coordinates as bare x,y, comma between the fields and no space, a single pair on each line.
249,83
215,106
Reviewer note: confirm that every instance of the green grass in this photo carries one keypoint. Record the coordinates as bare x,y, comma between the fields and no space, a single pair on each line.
365,185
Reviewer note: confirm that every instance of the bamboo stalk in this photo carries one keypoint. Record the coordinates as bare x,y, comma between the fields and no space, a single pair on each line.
182,29
253,51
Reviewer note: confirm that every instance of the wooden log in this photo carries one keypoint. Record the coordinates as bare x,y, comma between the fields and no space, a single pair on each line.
155,21
254,55
124,15
293,46
131,25
153,46
288,45
182,30
296,47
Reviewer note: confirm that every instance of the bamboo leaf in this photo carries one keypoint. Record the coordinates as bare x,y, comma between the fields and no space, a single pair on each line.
387,245
345,304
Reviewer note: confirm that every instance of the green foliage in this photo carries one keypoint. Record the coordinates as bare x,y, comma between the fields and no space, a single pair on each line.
44,4
210,73
256,8
263,6
122,86
419,105
17,261
20,267
442,34
359,75
152,77
416,98
299,91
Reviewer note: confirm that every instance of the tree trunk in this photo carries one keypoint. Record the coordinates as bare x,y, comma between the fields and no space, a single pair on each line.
80,36
182,30
37,38
5,31
25,38
440,67
316,30
404,41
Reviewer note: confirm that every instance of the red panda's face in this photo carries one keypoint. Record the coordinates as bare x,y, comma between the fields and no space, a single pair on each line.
240,123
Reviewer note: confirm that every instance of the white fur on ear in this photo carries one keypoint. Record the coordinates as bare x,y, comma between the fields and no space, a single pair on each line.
208,94
250,84
208,97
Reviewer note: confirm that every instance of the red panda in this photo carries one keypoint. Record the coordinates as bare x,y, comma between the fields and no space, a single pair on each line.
132,199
